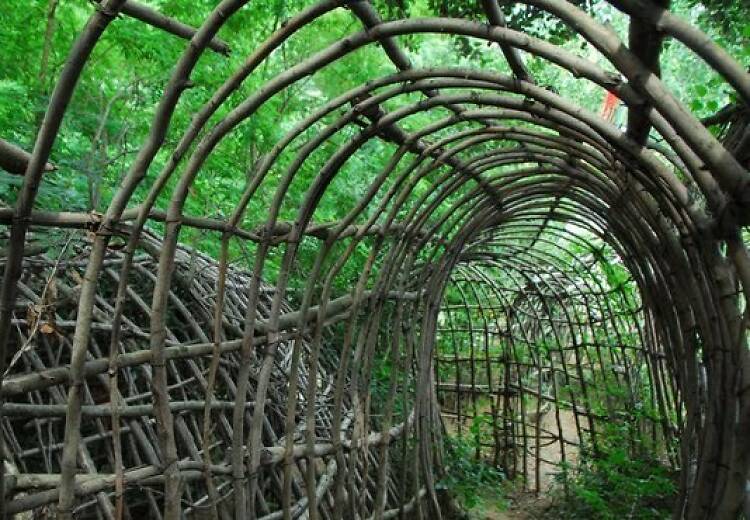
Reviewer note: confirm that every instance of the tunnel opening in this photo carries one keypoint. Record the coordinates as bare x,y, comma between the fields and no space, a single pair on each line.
312,292
549,364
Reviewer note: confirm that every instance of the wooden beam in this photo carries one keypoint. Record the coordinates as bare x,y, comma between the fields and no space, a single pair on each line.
644,41
156,19
512,56
15,160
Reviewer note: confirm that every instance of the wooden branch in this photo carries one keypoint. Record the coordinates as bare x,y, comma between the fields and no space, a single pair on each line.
693,38
393,132
279,233
512,56
21,384
370,18
644,41
88,484
156,19
333,308
15,160
476,389
48,132
275,454
35,411
724,115
408,507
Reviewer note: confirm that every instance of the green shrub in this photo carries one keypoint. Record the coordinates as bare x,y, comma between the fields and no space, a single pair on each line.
614,484
467,478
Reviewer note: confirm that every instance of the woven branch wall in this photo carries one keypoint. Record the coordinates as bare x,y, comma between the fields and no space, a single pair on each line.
36,389
143,378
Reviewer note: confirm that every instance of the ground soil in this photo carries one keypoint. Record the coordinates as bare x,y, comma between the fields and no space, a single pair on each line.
525,505
519,506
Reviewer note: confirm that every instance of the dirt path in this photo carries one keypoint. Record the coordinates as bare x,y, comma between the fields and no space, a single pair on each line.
552,455
528,505
523,506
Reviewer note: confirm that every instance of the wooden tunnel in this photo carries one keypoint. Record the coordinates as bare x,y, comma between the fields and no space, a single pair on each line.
145,378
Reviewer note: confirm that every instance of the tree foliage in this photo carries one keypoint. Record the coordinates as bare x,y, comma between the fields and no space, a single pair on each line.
121,86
